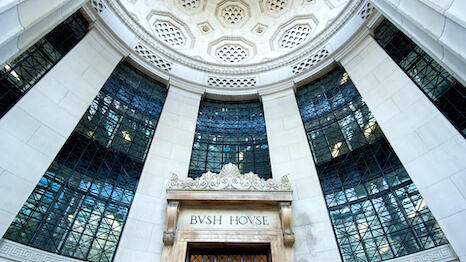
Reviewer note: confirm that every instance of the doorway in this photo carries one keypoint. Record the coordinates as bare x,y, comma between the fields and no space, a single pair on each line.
211,252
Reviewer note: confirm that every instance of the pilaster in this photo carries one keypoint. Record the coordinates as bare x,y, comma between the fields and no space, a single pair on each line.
429,147
290,154
34,130
438,27
25,22
170,151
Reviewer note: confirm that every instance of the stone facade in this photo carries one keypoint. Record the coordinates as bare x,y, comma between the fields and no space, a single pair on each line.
429,147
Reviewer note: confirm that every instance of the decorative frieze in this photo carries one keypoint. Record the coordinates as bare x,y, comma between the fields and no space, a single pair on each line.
232,82
19,252
366,10
437,254
229,178
310,62
98,5
152,57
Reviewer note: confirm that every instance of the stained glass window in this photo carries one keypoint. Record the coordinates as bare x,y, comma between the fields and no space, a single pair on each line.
230,132
18,76
445,92
376,210
80,205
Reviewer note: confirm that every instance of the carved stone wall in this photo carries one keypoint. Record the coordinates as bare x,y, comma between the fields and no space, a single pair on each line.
18,252
229,178
228,207
438,254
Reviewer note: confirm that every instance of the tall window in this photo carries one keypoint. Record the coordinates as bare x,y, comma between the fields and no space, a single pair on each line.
445,92
376,210
18,76
230,132
80,205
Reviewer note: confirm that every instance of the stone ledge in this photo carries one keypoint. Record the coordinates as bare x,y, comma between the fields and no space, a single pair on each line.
437,254
19,252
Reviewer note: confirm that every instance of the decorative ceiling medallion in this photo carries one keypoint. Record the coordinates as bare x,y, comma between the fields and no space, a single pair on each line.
169,33
233,13
170,30
275,7
232,54
295,36
205,27
190,6
232,50
293,33
259,29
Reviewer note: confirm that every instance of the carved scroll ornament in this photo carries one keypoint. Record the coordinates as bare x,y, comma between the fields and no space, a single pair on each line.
229,179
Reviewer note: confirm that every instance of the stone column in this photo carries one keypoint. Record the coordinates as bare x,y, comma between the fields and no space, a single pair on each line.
34,130
436,26
170,151
25,22
429,147
290,154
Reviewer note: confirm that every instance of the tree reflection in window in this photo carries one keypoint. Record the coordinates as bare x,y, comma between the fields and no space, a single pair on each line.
80,205
376,211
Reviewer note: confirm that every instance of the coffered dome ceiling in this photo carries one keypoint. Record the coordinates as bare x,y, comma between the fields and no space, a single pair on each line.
232,44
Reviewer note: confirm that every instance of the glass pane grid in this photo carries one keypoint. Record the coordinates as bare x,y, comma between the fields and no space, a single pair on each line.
445,92
18,76
230,132
80,205
376,211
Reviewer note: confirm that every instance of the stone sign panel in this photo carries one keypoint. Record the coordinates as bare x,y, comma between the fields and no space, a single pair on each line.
222,219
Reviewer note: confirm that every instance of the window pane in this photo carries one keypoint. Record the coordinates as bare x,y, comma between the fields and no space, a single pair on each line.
18,76
80,205
445,92
376,211
230,132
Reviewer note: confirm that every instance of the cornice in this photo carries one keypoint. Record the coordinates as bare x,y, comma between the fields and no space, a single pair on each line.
229,179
